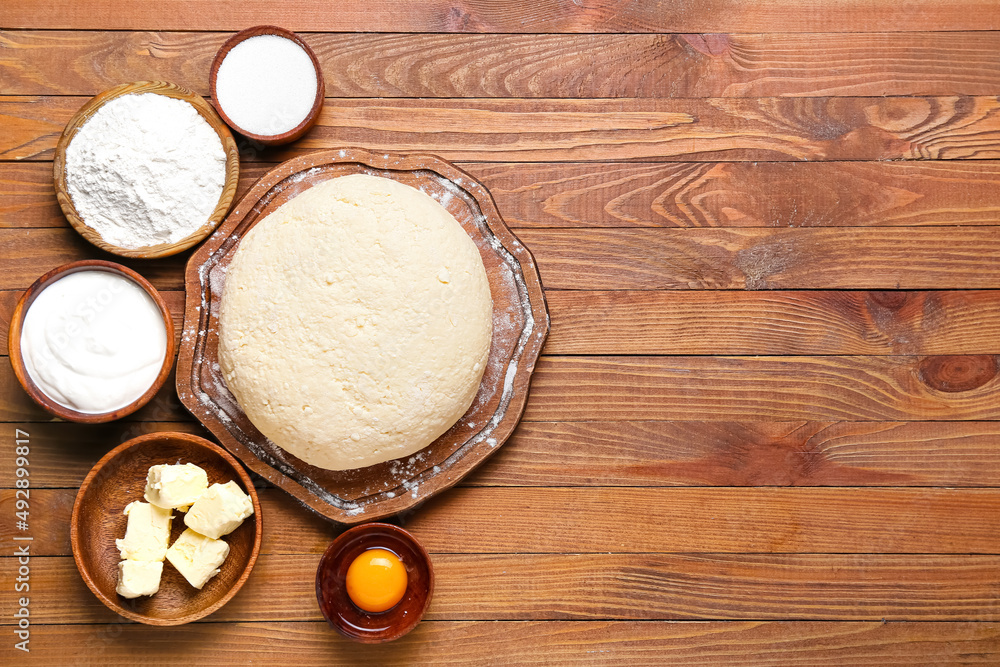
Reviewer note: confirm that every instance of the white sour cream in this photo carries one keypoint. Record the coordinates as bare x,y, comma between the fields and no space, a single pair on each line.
93,341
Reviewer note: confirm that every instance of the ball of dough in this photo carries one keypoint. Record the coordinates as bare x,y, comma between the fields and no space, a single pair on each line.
355,322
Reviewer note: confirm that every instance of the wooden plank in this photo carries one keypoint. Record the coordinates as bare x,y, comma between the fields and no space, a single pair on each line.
769,322
543,16
28,197
820,258
861,388
57,62
62,453
17,406
773,129
29,253
721,194
765,388
685,453
8,301
682,453
627,520
569,643
899,388
743,194
918,258
623,322
601,586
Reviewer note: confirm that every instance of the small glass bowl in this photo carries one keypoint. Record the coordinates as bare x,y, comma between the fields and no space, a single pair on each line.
331,587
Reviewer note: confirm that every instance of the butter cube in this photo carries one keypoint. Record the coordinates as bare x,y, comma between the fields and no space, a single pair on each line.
147,532
138,577
175,486
220,510
197,557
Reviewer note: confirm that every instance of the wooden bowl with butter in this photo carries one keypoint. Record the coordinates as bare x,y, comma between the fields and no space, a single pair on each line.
118,479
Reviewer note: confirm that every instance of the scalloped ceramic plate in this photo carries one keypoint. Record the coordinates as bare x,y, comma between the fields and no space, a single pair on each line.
520,325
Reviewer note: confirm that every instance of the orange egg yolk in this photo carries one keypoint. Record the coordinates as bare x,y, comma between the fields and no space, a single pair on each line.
376,580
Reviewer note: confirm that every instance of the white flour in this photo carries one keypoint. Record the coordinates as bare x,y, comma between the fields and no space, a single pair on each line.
145,169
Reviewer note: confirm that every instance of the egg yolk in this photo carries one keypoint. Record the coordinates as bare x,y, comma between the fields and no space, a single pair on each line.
376,580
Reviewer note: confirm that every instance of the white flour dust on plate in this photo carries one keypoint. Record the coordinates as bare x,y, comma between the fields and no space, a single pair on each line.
145,169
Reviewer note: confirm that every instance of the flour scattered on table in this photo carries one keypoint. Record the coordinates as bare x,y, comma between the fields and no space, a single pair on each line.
145,169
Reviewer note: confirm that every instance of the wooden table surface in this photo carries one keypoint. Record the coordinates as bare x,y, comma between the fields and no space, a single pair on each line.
765,426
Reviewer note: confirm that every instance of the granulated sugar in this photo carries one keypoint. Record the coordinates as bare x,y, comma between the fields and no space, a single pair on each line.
266,85
145,169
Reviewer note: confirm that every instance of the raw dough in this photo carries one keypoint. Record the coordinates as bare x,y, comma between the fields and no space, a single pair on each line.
355,322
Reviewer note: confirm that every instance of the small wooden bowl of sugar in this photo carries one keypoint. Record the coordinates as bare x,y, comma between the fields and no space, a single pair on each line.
267,84
146,169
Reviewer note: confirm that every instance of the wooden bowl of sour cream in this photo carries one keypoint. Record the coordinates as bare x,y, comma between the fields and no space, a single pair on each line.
90,352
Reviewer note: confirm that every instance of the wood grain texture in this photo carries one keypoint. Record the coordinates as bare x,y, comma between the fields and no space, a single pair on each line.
772,129
680,453
28,199
569,643
742,194
32,252
721,194
655,259
622,322
62,453
606,388
544,16
713,322
607,586
762,388
8,302
685,453
17,406
629,520
706,388
822,258
777,457
60,62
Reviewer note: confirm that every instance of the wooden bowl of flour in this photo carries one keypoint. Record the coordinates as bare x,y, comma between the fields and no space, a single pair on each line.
160,88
